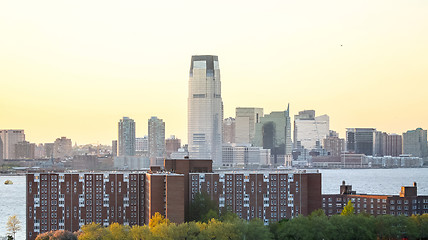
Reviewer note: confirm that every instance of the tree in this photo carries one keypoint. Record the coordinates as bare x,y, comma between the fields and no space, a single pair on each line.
119,232
140,232
57,235
13,225
348,209
94,231
203,208
157,219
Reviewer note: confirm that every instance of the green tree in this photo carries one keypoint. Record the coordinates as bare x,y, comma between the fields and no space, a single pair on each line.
255,229
202,208
348,209
13,225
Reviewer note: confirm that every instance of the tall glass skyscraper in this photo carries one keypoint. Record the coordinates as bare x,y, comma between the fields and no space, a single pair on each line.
205,109
126,138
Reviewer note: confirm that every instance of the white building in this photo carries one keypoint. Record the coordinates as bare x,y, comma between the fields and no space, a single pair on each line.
205,109
309,131
244,155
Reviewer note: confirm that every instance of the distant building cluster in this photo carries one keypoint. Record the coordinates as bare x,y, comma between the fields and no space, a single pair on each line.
250,139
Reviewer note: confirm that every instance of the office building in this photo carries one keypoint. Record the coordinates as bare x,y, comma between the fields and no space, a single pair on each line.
361,140
334,145
172,145
25,150
156,128
244,155
205,109
126,137
309,131
246,120
415,143
49,150
407,203
394,145
62,148
1,150
10,137
274,132
229,127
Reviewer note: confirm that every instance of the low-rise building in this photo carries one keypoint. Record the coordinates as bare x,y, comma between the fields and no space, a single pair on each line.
406,203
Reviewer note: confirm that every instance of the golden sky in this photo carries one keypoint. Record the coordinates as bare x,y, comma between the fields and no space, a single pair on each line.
74,68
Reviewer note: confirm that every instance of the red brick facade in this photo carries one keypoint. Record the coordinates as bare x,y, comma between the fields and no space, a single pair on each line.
407,203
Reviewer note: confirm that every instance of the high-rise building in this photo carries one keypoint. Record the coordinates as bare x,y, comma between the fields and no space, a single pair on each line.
142,146
156,140
10,137
172,144
415,143
126,138
274,132
361,140
309,131
229,130
246,120
387,144
49,149
1,151
394,145
25,150
205,109
114,148
333,144
63,148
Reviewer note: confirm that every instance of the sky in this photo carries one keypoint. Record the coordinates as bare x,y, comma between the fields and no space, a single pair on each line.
74,68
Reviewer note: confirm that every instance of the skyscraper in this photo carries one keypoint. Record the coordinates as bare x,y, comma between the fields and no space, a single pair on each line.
415,143
62,148
205,109
1,151
156,128
309,131
246,119
361,140
114,148
10,137
229,130
274,132
126,138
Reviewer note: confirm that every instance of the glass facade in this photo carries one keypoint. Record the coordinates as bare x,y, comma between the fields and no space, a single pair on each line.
205,109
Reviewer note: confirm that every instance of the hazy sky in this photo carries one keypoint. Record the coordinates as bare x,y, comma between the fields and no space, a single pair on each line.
74,68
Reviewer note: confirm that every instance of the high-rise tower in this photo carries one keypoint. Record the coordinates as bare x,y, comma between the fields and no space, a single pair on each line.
156,129
205,109
126,138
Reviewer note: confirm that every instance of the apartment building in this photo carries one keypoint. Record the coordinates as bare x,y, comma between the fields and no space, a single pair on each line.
406,203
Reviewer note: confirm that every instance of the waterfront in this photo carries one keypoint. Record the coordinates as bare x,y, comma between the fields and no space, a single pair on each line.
378,181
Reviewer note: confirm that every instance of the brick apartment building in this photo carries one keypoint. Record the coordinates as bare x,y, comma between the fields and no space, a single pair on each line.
70,200
406,203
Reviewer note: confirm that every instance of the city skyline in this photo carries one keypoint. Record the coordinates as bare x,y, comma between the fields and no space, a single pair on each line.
67,73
